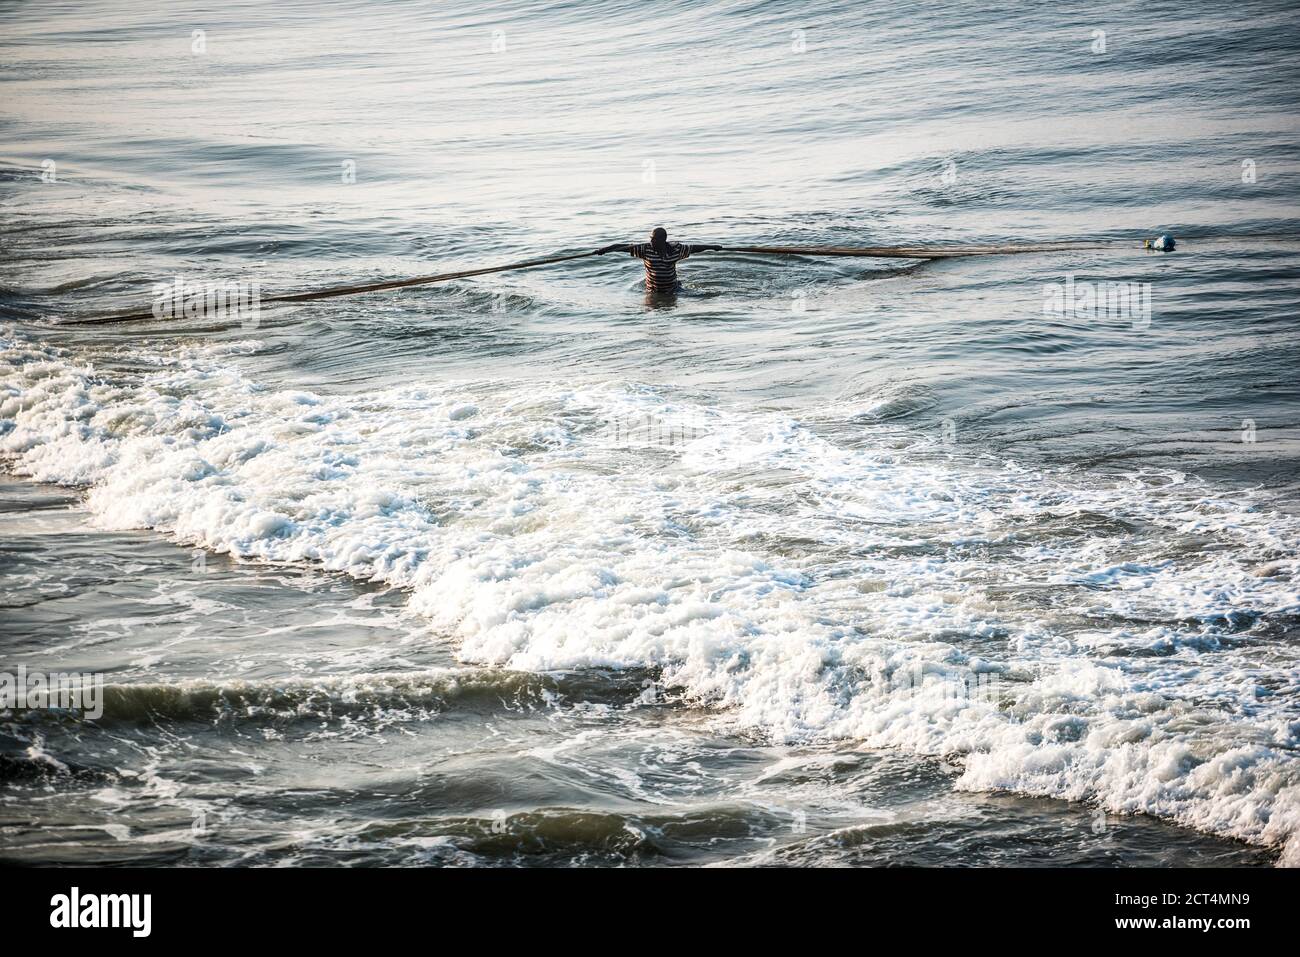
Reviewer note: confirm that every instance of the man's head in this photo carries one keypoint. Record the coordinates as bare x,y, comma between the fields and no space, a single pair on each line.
659,237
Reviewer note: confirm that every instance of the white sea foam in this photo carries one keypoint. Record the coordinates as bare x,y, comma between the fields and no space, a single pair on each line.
804,588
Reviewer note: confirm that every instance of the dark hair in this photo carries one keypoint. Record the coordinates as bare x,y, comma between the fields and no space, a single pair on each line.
659,240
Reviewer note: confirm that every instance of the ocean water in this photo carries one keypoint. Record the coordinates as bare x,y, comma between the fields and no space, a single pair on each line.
823,562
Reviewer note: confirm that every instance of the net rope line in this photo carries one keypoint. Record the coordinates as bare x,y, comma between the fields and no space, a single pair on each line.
871,252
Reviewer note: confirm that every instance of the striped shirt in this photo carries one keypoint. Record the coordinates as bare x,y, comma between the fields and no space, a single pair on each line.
661,270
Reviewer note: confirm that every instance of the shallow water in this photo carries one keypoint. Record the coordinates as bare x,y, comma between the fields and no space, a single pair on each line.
821,562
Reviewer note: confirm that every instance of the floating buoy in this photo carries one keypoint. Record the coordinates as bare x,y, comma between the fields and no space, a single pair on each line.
1164,242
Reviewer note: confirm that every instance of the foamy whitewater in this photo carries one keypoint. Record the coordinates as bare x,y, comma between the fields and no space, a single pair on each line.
825,563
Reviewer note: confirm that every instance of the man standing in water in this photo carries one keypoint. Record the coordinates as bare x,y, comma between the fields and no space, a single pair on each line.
660,258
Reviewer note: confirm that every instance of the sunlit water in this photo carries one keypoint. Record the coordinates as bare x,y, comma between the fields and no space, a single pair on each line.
820,562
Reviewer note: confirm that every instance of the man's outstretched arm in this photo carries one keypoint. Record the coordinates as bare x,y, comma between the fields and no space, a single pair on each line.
614,248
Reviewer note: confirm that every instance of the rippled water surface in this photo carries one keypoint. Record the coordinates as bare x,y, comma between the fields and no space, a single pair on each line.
822,561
